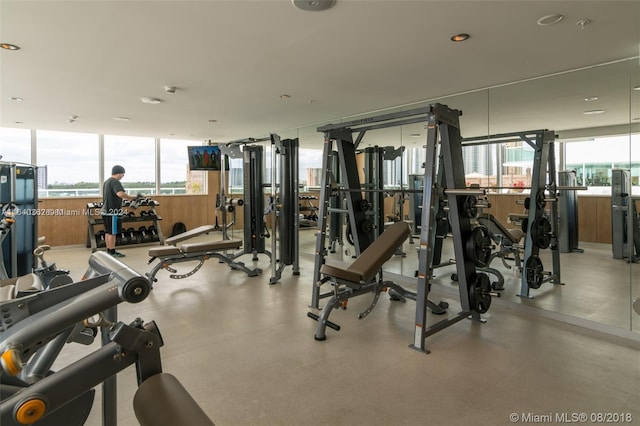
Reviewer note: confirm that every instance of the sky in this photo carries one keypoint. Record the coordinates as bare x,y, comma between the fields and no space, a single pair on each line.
73,157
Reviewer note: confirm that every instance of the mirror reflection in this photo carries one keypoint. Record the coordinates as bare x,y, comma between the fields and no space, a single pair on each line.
584,264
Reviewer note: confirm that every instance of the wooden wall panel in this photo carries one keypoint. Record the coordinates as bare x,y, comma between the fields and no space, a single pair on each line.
587,219
603,226
67,223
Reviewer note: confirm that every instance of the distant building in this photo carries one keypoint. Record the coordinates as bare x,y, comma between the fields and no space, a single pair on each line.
42,177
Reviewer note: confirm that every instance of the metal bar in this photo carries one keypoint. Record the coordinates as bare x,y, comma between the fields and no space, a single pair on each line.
464,191
323,205
377,119
247,141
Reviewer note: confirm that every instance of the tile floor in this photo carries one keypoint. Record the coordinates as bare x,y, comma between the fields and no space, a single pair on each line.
245,351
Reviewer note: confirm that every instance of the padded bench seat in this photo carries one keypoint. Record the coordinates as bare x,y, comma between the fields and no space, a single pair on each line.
204,229
370,261
195,248
190,252
162,400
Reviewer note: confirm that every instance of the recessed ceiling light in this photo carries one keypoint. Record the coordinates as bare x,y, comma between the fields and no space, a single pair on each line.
583,23
121,118
72,118
213,121
590,98
285,97
151,100
460,37
636,88
16,99
9,46
594,111
415,135
636,119
314,5
550,20
18,122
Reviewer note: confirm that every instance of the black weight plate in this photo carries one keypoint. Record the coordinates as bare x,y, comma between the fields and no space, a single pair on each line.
479,293
533,272
479,246
469,206
541,232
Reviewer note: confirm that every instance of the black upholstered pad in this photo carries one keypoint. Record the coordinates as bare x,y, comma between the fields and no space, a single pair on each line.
204,229
164,251
211,246
162,400
364,268
495,227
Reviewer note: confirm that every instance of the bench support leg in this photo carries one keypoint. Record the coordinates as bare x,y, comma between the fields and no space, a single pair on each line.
323,318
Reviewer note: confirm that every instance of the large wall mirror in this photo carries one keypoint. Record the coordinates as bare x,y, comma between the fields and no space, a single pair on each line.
595,113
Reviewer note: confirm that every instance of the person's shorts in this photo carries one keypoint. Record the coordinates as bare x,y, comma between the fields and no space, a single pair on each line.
112,224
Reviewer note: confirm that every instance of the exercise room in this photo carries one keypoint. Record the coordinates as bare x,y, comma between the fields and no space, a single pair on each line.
328,212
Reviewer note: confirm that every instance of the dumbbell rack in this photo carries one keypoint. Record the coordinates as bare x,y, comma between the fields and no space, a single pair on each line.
133,236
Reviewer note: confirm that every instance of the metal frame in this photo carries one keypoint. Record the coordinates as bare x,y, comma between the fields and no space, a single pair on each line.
544,182
22,239
41,323
285,208
442,170
444,176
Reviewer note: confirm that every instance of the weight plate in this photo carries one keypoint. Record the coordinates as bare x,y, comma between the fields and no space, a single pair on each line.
524,226
540,202
480,293
469,206
533,272
541,232
479,246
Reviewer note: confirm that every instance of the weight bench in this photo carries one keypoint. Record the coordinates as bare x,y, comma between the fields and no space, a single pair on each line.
188,252
162,400
360,277
508,241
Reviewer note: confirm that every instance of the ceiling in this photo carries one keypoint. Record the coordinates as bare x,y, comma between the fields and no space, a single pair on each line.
230,61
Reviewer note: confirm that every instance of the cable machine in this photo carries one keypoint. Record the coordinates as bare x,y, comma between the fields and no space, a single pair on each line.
19,201
568,212
625,227
284,210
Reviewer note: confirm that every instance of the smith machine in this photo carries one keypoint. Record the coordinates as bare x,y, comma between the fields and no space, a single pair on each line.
541,228
283,205
444,179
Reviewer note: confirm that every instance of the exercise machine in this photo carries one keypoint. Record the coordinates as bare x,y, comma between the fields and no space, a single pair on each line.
285,217
179,250
5,227
625,225
540,227
568,213
35,328
444,181
19,200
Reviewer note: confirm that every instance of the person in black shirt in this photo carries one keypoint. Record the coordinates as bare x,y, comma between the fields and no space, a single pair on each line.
113,193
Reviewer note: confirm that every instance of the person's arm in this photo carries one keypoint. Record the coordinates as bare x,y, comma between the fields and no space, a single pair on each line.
124,195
